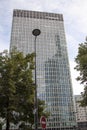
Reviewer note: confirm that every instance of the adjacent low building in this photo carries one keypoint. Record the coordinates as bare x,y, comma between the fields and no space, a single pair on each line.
81,114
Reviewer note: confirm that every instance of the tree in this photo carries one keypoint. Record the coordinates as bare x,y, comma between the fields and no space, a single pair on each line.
81,60
17,88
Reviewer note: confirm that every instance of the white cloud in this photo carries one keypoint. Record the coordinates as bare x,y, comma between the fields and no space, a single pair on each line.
75,13
77,87
3,45
72,45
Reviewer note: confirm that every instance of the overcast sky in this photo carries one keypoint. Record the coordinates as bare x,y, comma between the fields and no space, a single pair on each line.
75,22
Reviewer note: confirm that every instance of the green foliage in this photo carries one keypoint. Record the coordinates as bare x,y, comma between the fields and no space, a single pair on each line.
17,88
81,61
81,66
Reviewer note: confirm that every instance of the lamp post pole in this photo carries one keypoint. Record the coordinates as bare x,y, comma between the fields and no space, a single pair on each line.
36,32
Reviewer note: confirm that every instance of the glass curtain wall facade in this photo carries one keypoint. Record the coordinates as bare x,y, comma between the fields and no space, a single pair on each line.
52,66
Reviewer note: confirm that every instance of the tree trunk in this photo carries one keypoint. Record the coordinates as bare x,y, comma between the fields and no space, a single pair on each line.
7,123
7,115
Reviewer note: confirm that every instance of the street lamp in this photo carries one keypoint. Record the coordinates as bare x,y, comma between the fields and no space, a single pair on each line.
36,32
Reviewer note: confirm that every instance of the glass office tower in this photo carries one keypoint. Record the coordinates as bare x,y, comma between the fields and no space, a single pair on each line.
52,66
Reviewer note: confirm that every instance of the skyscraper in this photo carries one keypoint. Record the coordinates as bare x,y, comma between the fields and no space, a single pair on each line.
81,113
52,66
